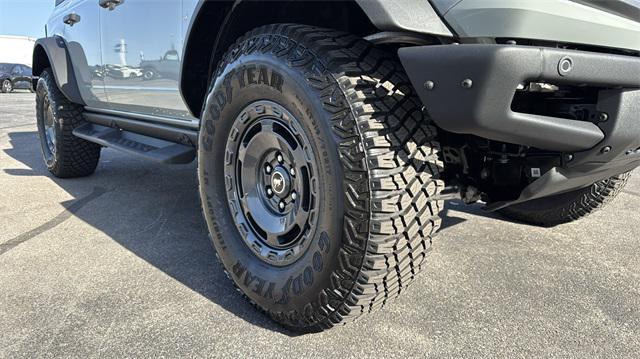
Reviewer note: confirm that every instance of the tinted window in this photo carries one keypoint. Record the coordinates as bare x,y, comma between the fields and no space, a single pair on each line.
17,70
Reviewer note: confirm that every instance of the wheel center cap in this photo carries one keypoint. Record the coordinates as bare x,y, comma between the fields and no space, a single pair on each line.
280,182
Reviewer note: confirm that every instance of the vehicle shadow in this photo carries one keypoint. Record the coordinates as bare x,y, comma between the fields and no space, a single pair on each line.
449,218
150,209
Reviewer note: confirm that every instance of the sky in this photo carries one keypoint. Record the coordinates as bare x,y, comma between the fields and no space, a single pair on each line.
24,17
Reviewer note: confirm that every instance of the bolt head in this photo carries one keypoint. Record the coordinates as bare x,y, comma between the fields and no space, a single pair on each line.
569,158
292,172
281,205
429,85
280,158
603,117
606,149
269,192
467,83
294,196
268,169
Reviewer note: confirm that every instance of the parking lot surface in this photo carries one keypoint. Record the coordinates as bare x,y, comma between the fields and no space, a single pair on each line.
118,264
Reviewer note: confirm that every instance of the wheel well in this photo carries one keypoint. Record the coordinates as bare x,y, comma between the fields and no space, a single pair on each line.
207,42
40,60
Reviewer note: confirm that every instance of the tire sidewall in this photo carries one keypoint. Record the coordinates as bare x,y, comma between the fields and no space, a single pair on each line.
44,91
276,289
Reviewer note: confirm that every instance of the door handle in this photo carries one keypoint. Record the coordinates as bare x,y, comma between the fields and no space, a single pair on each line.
71,19
110,4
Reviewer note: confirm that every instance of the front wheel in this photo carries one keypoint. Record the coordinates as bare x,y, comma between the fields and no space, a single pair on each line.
570,206
318,174
7,86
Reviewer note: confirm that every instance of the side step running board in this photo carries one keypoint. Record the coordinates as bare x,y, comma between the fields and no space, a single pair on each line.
170,133
148,147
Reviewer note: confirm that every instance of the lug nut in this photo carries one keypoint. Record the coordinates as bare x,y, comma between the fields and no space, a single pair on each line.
280,158
281,205
292,172
294,196
268,169
269,192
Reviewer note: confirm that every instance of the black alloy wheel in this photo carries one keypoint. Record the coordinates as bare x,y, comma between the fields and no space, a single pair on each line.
270,182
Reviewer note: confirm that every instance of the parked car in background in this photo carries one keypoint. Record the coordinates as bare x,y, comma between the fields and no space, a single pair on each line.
122,72
15,76
168,66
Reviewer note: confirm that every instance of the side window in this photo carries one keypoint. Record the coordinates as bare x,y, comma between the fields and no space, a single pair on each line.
171,55
58,2
17,70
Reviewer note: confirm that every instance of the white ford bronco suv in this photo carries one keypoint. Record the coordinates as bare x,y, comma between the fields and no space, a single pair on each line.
327,134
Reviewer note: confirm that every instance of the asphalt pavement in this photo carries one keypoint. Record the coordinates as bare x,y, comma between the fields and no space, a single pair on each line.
118,264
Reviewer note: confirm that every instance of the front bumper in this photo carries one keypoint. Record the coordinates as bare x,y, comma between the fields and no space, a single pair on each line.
468,89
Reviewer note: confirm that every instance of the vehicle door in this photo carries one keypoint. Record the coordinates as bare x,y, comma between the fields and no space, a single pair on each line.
140,79
19,78
78,22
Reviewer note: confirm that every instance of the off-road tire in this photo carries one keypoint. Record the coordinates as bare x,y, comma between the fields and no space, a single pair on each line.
378,159
73,157
570,206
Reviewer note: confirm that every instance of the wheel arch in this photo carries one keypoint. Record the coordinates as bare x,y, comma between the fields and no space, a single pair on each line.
206,43
52,52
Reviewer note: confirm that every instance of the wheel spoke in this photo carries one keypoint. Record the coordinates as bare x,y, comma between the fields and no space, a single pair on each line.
298,156
301,218
272,239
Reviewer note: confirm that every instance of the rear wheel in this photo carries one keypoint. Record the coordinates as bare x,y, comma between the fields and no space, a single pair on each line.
64,154
318,174
568,207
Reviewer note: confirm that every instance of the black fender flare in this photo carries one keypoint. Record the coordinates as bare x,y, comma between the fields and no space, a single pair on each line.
52,52
408,15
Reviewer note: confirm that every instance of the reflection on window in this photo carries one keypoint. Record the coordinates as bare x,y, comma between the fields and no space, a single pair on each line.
171,55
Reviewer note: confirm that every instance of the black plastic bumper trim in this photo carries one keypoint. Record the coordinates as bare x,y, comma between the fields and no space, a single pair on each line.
482,105
587,167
